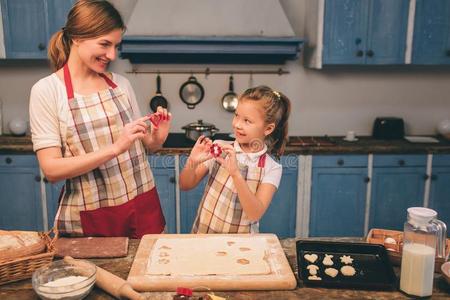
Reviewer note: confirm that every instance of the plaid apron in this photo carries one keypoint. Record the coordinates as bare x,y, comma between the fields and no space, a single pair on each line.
220,210
119,197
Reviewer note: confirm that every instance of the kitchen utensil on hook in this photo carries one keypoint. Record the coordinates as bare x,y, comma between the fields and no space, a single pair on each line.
230,99
192,92
158,99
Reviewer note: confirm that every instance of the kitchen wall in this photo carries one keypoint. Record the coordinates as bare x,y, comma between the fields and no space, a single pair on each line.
323,102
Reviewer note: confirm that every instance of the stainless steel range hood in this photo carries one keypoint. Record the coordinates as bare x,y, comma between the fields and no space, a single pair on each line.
208,31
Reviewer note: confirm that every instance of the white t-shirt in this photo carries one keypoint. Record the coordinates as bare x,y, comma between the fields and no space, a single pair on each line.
272,169
49,109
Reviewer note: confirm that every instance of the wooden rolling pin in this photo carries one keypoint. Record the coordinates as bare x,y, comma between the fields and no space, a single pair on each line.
109,282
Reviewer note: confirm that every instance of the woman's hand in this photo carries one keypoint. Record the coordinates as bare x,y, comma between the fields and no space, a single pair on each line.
131,131
230,161
201,151
160,131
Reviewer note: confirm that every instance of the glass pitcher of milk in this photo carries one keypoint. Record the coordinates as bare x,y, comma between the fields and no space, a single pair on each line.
424,237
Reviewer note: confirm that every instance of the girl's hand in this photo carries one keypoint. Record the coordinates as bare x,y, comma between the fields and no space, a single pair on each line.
161,130
230,161
201,151
130,133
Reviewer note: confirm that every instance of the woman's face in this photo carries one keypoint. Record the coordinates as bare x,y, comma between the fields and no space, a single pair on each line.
98,52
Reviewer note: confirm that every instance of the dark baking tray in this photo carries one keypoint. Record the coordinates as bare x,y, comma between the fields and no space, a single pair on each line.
373,269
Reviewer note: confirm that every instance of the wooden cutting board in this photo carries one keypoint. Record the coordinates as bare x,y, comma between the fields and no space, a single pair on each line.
92,247
280,276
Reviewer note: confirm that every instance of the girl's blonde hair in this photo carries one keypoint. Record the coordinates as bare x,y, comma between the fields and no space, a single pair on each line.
86,20
277,109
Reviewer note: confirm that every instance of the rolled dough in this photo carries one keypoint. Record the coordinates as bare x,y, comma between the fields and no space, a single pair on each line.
219,255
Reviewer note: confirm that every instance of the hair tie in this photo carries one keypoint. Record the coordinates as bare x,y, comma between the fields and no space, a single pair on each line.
277,94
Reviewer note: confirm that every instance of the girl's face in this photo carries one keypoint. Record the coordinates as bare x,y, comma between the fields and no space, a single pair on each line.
248,123
98,52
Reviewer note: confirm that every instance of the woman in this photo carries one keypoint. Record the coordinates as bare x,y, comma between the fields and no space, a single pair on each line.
86,128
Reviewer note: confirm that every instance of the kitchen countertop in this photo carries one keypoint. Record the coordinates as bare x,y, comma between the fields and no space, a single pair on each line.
178,144
121,267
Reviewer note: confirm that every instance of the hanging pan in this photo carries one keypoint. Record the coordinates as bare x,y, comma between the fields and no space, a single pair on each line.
230,99
191,92
158,99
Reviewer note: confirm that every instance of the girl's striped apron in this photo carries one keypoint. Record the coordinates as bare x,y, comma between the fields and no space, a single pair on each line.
220,210
119,197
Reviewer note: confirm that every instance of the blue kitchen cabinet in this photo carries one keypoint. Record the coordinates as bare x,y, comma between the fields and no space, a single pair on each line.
20,196
364,32
440,188
280,218
29,24
431,40
52,193
398,182
338,195
190,201
163,168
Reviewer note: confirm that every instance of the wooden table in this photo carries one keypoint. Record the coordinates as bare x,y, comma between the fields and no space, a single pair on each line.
121,267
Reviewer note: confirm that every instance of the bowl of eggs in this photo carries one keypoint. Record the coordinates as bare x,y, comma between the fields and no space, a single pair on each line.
62,280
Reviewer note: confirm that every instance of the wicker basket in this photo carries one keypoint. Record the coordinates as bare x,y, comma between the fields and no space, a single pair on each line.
378,236
23,267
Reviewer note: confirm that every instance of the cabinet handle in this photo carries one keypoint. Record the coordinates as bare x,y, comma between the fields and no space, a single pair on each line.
434,177
37,178
359,53
425,177
41,46
367,179
8,160
358,41
401,162
45,180
340,162
370,53
172,179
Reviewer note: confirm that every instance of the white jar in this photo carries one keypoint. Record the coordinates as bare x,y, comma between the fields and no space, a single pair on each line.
17,126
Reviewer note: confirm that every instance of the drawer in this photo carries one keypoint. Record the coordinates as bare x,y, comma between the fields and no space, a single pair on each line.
441,160
327,161
161,161
399,160
17,160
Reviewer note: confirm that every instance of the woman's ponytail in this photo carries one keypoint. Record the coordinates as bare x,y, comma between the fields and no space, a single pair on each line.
58,50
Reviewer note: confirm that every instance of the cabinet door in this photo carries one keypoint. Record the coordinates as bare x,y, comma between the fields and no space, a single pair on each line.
52,193
345,31
190,201
280,217
398,182
20,197
338,196
388,22
431,41
25,28
57,12
440,188
163,168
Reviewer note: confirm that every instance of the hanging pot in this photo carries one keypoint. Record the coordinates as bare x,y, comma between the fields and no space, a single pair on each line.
191,92
230,99
194,130
158,99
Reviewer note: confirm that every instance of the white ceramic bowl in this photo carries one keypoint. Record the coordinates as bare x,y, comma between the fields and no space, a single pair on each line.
443,128
61,280
17,126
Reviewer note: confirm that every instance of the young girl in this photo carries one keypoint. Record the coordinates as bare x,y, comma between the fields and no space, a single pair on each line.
87,130
243,180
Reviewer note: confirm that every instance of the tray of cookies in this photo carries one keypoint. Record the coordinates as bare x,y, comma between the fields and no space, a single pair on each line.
345,265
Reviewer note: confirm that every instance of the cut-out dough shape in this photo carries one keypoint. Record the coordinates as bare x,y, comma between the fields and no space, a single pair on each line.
165,247
327,261
314,277
221,253
348,271
332,272
243,261
243,249
312,269
163,254
311,257
230,243
346,259
163,261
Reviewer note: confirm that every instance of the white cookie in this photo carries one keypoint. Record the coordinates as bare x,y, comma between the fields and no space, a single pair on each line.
312,269
314,277
327,261
332,272
346,259
348,271
311,257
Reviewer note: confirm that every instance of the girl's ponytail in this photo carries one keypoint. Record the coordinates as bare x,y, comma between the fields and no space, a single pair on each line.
58,50
279,136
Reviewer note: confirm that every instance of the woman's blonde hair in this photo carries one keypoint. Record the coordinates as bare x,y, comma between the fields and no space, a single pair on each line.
86,20
277,108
